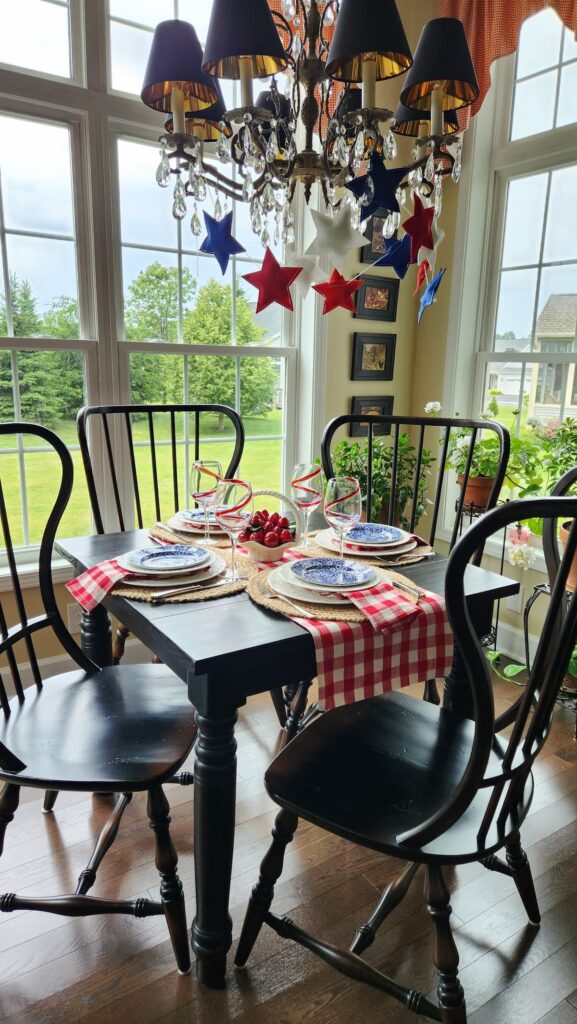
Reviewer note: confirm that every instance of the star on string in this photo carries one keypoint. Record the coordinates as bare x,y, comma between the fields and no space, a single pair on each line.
431,254
337,291
419,227
335,236
273,282
430,292
385,183
219,241
397,255
310,272
422,275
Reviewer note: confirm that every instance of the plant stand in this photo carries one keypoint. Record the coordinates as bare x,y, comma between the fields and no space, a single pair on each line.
469,513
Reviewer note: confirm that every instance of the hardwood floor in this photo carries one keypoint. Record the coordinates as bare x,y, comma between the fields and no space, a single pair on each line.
119,971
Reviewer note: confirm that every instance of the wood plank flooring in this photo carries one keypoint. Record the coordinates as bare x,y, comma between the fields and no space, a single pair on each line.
119,970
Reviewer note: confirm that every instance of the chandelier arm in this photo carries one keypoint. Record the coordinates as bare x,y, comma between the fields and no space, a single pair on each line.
324,44
303,11
279,18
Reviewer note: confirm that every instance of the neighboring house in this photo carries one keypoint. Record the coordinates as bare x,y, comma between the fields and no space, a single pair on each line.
506,377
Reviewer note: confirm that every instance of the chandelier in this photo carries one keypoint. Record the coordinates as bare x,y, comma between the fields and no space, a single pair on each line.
317,121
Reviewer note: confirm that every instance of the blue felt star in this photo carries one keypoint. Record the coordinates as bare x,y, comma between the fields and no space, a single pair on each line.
219,241
397,255
428,296
386,183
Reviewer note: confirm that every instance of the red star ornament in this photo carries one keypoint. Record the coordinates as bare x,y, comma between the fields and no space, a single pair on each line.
422,273
273,282
337,291
419,227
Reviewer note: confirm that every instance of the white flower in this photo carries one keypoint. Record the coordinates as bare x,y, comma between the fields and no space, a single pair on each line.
462,442
522,555
433,408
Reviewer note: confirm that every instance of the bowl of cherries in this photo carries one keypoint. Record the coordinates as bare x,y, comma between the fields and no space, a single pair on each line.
268,536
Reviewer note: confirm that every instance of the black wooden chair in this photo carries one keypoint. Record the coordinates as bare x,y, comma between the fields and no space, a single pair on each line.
415,491
116,729
416,782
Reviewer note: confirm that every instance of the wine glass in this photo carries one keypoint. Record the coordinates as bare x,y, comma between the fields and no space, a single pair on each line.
204,479
233,511
343,505
307,491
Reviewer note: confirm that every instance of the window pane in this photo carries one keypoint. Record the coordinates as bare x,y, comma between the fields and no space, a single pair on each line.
522,232
561,234
261,395
129,49
569,45
43,286
516,304
502,397
42,478
35,35
534,105
206,302
150,295
557,317
145,12
539,43
6,397
51,390
145,209
27,184
198,14
212,379
566,113
10,477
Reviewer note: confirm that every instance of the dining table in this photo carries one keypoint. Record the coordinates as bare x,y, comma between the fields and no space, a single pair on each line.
225,650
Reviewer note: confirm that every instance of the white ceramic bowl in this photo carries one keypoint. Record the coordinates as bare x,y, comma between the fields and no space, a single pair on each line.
260,552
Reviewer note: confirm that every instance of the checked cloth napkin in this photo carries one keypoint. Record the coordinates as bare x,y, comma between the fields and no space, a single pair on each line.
94,584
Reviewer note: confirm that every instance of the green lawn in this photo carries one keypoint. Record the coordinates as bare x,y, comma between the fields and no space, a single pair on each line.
261,465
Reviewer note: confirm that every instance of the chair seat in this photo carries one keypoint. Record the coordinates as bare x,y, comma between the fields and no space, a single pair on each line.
369,771
123,728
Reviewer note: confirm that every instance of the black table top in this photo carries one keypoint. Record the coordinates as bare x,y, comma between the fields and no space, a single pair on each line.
238,646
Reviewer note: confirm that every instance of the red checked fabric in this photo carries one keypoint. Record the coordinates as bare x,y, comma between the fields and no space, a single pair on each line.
92,586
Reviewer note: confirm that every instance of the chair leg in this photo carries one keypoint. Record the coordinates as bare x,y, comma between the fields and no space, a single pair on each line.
519,864
171,892
392,896
49,800
277,696
122,634
105,840
446,956
431,693
262,894
9,800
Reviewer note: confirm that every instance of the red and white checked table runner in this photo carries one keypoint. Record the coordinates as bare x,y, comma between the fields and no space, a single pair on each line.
399,643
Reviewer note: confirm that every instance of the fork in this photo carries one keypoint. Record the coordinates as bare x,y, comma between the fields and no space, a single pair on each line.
287,600
209,585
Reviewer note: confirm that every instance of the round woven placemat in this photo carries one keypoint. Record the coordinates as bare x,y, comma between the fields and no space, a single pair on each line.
411,558
165,533
259,590
150,595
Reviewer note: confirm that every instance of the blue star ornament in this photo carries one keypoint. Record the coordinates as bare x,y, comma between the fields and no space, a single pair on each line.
219,241
397,255
385,184
430,292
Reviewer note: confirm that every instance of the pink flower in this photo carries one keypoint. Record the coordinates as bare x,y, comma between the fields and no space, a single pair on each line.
519,534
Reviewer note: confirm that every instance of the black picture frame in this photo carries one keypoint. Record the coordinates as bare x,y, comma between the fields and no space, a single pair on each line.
377,299
373,356
379,405
376,245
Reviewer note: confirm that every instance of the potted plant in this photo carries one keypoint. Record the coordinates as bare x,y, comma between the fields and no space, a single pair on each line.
350,459
524,470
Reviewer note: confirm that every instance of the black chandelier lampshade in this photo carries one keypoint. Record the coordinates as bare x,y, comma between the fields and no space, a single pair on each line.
243,30
204,124
442,56
175,60
408,121
368,27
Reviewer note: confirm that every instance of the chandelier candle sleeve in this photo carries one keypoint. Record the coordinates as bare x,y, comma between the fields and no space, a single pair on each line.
369,79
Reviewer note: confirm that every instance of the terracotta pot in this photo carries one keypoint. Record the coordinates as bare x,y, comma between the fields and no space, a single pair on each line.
478,489
564,531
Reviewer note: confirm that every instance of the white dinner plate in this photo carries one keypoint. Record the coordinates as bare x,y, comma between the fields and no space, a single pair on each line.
327,540
215,568
378,577
283,585
126,564
181,526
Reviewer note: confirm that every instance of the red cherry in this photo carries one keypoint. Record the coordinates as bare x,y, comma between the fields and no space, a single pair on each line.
265,514
246,535
256,519
283,523
273,520
258,536
271,539
286,537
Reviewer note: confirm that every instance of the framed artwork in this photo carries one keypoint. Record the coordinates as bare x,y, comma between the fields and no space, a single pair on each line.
377,298
378,406
373,356
376,244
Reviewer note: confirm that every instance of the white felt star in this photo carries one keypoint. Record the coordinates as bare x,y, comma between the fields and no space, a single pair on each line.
431,254
310,273
335,236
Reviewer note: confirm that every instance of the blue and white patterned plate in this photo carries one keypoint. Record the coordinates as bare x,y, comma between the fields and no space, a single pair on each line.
196,516
179,557
375,533
335,573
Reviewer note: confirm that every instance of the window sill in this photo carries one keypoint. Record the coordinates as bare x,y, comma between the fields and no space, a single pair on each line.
494,548
62,572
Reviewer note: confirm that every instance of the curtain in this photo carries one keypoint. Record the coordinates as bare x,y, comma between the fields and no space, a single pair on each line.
493,28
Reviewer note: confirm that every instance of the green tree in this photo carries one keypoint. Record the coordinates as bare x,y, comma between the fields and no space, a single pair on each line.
61,320
214,380
26,322
151,309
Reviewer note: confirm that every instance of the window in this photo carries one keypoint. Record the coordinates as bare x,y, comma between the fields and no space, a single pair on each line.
104,296
36,35
528,343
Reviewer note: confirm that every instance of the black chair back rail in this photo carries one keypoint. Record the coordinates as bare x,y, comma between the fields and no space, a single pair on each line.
419,425
116,425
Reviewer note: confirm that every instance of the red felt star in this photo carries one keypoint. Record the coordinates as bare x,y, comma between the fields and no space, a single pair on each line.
273,282
422,273
419,227
338,292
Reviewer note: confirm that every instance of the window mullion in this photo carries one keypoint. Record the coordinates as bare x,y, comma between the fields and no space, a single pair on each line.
20,444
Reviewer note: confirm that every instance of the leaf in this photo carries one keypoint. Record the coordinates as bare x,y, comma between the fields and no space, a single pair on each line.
513,670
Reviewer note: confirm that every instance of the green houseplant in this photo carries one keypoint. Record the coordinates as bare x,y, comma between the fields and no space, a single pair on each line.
524,470
350,459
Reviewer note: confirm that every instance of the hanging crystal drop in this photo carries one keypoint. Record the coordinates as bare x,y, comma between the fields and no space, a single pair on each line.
360,145
217,209
179,204
225,207
163,170
296,46
401,195
200,190
369,193
290,236
223,150
396,220
276,236
329,15
389,227
438,192
255,216
355,217
265,237
430,167
268,198
195,225
271,149
457,166
288,9
247,188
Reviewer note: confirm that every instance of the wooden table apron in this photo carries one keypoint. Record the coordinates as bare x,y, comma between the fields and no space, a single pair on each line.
225,650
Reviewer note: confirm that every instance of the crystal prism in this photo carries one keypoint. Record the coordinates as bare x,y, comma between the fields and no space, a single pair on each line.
163,172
